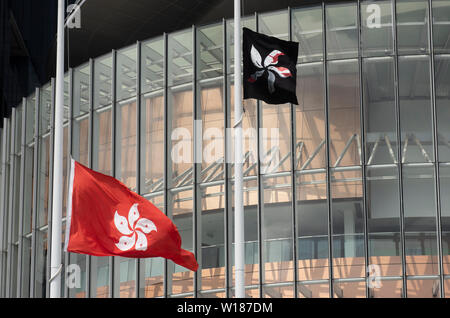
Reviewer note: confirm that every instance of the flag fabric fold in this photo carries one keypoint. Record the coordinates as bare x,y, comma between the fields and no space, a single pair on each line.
270,72
105,218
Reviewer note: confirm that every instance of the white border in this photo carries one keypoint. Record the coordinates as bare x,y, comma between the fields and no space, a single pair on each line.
69,203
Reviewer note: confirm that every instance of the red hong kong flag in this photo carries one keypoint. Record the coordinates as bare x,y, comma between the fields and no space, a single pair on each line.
105,218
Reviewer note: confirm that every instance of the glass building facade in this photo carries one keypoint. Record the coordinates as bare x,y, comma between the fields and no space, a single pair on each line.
357,203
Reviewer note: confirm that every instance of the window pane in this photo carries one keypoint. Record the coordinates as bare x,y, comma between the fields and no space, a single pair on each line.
316,290
210,51
126,73
415,109
81,90
387,288
379,111
213,123
180,57
347,224
102,140
80,139
212,237
312,226
277,230
152,65
441,26
342,32
376,28
79,260
278,292
181,206
420,221
152,269
442,83
307,30
310,118
274,24
45,109
126,146
412,26
43,181
423,288
344,113
349,289
40,272
152,142
444,180
275,138
383,222
180,114
102,81
31,122
99,277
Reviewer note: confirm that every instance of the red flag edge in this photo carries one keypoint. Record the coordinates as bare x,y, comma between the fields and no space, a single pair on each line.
69,203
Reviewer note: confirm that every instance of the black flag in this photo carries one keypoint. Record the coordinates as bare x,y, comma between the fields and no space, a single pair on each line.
270,72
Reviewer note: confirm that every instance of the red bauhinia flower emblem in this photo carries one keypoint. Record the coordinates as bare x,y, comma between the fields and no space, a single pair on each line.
269,61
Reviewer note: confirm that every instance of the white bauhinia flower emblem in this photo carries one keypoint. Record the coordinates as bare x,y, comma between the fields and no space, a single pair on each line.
131,227
269,61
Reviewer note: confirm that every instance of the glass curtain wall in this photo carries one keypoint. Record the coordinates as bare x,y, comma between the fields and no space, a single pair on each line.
345,194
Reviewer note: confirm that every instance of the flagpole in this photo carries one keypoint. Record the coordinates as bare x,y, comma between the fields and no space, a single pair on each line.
239,242
55,261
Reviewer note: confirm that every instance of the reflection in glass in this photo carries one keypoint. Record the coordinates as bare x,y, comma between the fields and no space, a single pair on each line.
379,111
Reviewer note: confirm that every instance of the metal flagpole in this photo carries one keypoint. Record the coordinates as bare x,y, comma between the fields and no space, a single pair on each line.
239,247
55,261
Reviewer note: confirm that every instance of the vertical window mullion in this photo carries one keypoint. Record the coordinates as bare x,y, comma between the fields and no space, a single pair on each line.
399,148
